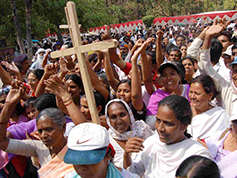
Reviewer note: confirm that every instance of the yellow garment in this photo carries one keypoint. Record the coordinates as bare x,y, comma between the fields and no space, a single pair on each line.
56,167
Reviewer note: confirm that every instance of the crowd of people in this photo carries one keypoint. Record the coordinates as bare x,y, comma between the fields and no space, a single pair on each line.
166,99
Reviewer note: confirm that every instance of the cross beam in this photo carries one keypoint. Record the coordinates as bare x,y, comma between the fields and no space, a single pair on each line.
78,49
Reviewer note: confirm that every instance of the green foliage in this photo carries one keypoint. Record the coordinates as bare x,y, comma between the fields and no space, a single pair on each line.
148,20
47,15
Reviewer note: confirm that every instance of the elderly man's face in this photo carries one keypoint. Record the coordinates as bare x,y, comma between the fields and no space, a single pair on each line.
123,50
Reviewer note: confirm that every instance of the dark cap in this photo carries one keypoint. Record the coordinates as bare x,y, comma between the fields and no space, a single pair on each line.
172,64
20,58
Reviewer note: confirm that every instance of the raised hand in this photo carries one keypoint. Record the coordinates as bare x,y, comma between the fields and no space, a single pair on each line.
63,65
12,67
139,42
217,28
16,92
134,145
159,34
55,85
51,69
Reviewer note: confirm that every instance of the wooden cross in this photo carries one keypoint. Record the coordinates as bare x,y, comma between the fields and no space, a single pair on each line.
78,49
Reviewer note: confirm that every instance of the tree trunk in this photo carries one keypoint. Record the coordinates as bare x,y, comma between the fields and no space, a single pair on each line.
60,36
17,26
28,4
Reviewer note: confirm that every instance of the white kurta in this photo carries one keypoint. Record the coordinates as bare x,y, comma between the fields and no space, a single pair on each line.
159,160
208,123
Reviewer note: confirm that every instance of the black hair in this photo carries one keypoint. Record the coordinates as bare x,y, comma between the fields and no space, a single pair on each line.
76,79
225,33
104,78
182,45
207,83
124,81
178,36
188,57
182,72
99,101
189,41
216,50
46,100
153,56
29,102
169,47
37,72
180,106
175,49
131,42
19,109
93,57
198,167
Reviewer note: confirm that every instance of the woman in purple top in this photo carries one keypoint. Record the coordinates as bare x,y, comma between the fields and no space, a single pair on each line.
171,78
223,148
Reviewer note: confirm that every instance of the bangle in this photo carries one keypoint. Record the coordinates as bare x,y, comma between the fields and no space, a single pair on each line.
67,100
41,84
70,102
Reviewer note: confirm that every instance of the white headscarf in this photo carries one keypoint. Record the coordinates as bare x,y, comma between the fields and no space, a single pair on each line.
137,128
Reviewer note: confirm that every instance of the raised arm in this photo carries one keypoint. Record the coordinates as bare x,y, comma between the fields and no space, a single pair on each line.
136,92
55,86
159,56
193,49
49,70
146,71
215,29
12,99
114,57
96,82
6,78
44,62
109,72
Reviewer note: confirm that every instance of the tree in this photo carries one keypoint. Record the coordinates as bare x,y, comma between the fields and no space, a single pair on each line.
18,27
28,4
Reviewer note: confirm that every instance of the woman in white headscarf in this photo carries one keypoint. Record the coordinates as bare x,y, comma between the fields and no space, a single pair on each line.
123,129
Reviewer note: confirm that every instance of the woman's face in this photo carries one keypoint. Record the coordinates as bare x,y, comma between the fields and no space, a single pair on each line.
169,128
183,49
85,109
124,92
32,112
50,133
189,67
198,97
170,79
119,117
72,88
32,81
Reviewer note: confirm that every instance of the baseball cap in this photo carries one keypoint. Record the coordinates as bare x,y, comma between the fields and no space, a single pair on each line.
123,44
87,144
169,63
228,50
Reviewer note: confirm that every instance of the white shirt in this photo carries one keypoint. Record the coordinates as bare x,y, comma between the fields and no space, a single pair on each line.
208,123
159,160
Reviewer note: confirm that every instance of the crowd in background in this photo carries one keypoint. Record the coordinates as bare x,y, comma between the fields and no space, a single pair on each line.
166,98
